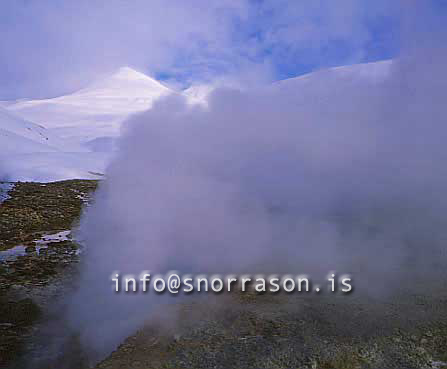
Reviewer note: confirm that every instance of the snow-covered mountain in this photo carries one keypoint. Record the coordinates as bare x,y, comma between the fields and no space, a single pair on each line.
72,136
97,110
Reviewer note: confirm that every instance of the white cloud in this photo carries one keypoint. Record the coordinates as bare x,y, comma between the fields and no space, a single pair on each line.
52,47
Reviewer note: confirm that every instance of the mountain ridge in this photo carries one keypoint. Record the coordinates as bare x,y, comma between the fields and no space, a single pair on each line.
88,121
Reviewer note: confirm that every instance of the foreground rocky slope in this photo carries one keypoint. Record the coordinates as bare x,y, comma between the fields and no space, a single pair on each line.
265,331
407,329
36,255
34,208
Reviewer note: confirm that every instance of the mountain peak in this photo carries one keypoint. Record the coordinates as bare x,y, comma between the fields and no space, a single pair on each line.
129,74
99,108
126,82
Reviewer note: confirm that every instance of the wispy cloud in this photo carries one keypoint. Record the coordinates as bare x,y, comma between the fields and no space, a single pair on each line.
50,47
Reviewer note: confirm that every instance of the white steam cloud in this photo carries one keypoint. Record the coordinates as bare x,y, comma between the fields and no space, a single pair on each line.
342,173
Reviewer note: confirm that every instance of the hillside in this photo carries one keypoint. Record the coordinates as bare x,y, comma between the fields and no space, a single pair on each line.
97,110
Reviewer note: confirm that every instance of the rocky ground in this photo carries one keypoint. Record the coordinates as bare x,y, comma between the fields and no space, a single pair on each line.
405,330
36,208
264,331
36,255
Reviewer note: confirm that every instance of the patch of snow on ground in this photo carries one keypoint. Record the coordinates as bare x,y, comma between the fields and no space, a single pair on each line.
5,187
20,250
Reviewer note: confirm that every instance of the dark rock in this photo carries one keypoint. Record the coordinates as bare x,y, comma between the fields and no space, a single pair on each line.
30,249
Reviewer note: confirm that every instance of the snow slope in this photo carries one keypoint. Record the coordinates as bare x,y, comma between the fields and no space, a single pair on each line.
53,166
373,73
31,152
19,135
12,143
97,110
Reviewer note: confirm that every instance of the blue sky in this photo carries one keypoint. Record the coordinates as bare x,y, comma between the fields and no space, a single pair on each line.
51,47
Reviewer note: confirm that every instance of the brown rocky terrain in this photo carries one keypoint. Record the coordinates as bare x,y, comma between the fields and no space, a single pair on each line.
265,331
31,259
407,329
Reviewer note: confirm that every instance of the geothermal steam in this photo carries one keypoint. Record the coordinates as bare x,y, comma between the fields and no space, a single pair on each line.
344,174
